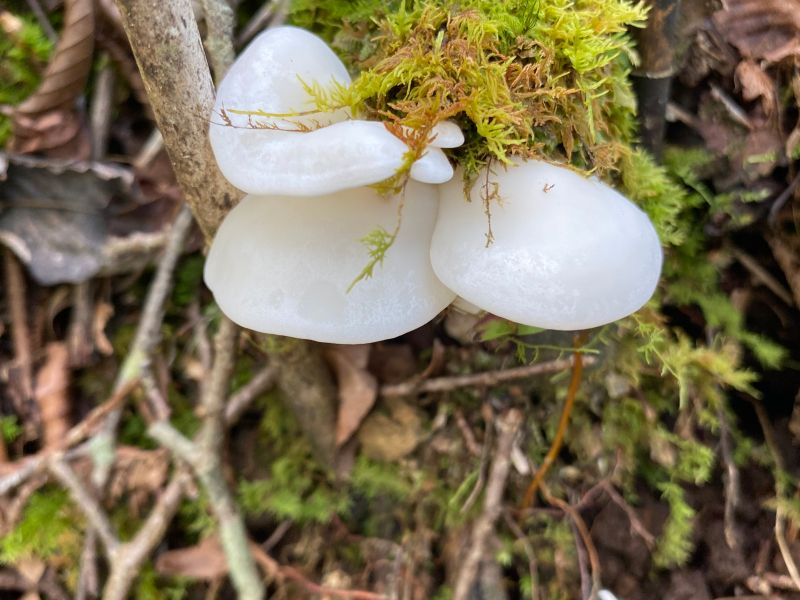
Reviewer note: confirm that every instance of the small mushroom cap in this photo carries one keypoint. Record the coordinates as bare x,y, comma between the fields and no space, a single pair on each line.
279,155
283,265
270,74
432,167
569,252
446,134
341,156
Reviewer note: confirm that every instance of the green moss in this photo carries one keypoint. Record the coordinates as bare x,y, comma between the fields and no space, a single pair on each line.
23,57
10,429
544,79
30,539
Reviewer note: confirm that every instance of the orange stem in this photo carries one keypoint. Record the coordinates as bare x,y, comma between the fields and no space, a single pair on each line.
558,440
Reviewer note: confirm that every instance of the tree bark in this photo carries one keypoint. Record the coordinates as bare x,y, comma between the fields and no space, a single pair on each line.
169,52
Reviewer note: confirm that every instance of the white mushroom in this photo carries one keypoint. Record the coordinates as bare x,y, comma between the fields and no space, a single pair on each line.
568,253
283,265
432,167
446,134
310,153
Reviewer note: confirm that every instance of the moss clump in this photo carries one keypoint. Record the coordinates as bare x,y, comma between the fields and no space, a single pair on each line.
542,79
24,51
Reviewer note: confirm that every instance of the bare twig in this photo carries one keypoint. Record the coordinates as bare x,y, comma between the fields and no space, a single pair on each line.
148,331
88,579
782,199
731,479
20,332
241,400
102,103
780,511
204,455
273,569
175,74
11,512
74,436
89,506
258,22
508,426
79,335
788,261
762,275
149,150
533,568
575,382
636,524
487,379
580,525
42,20
132,554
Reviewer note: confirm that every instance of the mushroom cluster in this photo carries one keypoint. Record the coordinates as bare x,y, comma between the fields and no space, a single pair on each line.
568,252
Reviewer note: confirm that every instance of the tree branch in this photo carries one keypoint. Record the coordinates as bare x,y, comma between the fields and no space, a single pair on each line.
169,53
508,425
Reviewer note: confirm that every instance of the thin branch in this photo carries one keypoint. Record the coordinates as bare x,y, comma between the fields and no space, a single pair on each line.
204,455
575,382
175,74
487,379
172,439
213,402
77,434
533,568
258,22
273,569
20,332
89,506
508,426
242,399
731,480
583,530
780,511
88,579
132,555
148,331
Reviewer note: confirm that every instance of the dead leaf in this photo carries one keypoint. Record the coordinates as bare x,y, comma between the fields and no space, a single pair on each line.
357,386
756,84
138,474
761,29
63,81
206,561
53,214
52,383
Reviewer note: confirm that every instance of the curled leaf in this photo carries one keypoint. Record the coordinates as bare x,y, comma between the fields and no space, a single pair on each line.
46,118
761,29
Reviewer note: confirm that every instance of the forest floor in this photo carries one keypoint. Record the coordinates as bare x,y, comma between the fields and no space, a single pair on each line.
397,469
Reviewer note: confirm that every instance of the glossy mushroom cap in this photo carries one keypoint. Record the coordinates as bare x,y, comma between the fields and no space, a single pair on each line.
307,154
283,266
569,252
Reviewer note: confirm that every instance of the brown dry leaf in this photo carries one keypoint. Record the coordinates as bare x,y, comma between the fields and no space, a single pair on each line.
756,84
52,382
46,119
357,387
206,560
102,313
761,29
139,474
